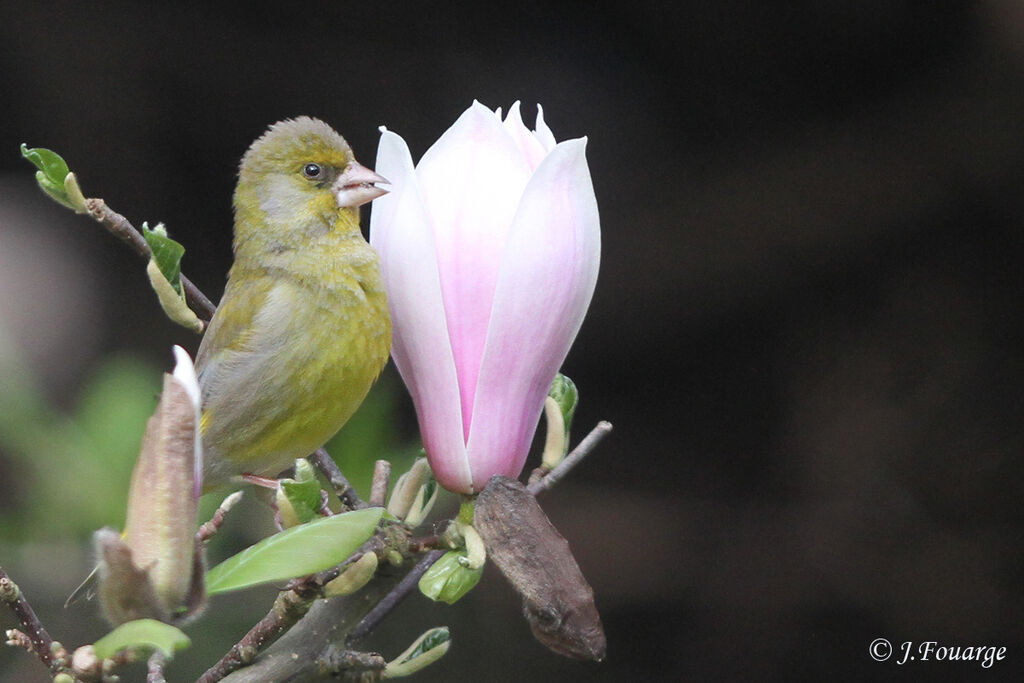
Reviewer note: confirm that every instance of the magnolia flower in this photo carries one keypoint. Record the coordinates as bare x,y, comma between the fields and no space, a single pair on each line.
489,250
153,570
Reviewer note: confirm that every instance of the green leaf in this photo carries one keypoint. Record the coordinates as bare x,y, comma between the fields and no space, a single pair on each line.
427,642
49,163
448,580
143,633
166,253
298,499
422,504
53,171
298,551
164,273
426,650
567,396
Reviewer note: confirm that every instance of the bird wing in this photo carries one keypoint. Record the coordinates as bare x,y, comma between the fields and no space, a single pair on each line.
236,359
231,328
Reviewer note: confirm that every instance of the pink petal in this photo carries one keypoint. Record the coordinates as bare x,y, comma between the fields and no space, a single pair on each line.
544,134
529,146
400,231
546,282
471,180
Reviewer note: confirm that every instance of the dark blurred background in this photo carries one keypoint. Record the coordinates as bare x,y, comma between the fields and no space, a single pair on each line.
807,329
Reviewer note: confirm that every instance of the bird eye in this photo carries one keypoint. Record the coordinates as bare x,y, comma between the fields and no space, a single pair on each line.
313,171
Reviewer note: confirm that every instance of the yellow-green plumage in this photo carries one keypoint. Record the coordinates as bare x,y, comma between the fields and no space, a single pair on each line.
302,330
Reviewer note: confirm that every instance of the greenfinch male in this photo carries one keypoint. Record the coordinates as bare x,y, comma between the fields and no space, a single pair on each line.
302,330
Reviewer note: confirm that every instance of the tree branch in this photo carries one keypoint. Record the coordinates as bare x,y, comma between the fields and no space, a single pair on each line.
392,599
155,668
288,608
298,655
42,645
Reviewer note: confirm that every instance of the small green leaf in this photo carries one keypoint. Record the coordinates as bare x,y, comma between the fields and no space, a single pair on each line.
164,272
448,580
51,176
76,200
567,396
559,408
426,650
49,163
172,302
408,487
298,551
298,499
427,642
422,504
166,252
143,633
357,575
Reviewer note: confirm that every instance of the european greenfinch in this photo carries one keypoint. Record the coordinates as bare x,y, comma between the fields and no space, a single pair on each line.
302,330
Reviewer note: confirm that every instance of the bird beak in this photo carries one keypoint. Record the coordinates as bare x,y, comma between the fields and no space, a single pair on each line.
355,186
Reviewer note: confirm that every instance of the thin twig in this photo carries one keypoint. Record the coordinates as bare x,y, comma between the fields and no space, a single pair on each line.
574,458
325,505
208,529
31,627
381,479
335,661
155,672
392,599
346,492
288,609
423,543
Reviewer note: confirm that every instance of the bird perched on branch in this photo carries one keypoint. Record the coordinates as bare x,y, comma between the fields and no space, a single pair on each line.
302,330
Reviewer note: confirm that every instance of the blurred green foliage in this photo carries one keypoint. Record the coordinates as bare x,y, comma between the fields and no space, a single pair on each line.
68,473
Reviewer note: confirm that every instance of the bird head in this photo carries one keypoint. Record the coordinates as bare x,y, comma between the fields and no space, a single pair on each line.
302,173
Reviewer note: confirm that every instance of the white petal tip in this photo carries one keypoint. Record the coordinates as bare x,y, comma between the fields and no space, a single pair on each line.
185,373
